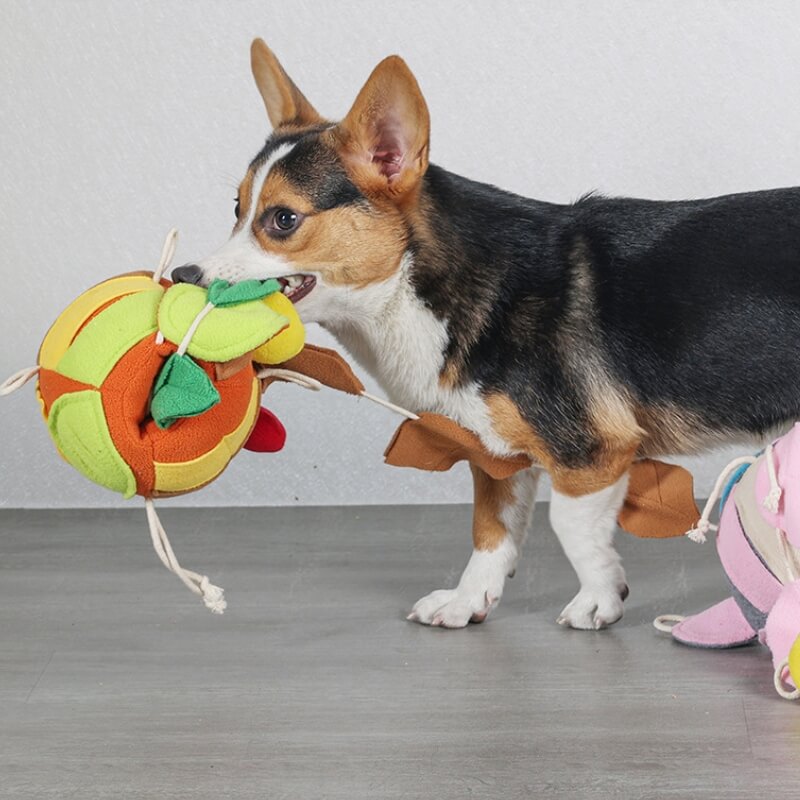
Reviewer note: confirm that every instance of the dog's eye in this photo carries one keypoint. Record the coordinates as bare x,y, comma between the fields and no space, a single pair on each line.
281,221
285,219
237,208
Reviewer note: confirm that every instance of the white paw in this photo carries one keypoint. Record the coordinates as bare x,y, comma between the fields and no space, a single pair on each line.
477,593
594,608
454,608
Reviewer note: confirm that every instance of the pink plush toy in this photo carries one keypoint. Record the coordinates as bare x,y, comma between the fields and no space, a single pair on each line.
758,543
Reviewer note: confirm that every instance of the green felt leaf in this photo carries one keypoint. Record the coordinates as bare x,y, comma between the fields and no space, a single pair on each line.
182,389
221,293
225,333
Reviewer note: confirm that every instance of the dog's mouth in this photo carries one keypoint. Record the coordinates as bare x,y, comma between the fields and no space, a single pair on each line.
296,287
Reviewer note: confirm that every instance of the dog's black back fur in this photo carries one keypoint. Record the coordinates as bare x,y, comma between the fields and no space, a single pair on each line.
693,305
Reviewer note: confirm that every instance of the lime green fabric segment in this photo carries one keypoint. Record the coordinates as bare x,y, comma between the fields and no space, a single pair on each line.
182,389
221,293
224,333
107,337
77,424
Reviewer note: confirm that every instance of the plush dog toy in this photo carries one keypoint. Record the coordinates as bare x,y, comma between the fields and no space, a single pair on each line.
150,389
758,542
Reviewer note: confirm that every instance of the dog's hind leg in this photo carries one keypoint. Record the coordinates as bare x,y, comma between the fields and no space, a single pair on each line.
500,522
585,527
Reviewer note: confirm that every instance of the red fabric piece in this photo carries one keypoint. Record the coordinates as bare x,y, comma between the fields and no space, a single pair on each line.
268,436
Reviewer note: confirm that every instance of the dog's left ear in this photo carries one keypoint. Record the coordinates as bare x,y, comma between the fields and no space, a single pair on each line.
284,102
384,137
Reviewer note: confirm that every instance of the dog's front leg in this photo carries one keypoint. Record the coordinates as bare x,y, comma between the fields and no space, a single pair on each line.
500,521
585,527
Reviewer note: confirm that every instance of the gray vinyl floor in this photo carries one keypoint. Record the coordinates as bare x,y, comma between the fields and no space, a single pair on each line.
115,682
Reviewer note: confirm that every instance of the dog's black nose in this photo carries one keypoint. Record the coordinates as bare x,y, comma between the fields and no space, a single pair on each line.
188,273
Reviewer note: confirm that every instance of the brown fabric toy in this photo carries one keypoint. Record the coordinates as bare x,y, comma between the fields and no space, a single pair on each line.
660,501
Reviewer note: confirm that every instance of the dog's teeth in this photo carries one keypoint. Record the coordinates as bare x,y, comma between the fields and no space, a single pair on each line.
294,281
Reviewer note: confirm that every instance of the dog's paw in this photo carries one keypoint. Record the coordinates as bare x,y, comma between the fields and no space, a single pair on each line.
594,608
454,608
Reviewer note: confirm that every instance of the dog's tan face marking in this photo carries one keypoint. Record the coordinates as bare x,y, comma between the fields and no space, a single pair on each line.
381,146
355,244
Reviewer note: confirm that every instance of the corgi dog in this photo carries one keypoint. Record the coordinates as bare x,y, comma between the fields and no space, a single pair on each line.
584,335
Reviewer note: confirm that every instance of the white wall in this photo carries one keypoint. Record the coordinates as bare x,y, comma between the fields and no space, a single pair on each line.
121,119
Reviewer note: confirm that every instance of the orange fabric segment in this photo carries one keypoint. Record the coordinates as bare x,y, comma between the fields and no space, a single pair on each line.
660,502
187,475
326,366
53,384
126,398
192,437
435,443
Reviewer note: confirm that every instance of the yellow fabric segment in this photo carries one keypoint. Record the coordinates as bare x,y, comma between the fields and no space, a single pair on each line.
290,341
40,400
794,662
77,423
186,475
62,331
101,344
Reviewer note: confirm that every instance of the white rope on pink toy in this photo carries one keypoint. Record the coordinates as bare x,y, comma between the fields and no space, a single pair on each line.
704,525
666,622
783,688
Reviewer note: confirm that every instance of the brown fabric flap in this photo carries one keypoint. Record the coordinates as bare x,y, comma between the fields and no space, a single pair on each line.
435,443
324,365
660,502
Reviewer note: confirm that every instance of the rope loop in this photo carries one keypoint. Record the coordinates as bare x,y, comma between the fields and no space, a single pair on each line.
290,376
167,254
666,622
704,525
781,686
17,380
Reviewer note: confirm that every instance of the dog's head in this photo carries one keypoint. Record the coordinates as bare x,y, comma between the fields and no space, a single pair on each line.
323,206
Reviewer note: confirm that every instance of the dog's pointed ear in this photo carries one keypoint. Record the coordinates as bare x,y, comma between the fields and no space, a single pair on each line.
284,101
385,135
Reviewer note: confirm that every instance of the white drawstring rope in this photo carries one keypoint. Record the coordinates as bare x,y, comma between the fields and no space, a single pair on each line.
167,253
391,406
704,525
290,376
187,339
666,622
213,596
781,687
17,380
774,497
312,383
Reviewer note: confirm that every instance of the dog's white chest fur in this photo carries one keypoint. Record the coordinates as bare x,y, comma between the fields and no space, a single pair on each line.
399,341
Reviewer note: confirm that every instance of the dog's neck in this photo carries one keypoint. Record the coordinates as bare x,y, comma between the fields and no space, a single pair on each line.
396,339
